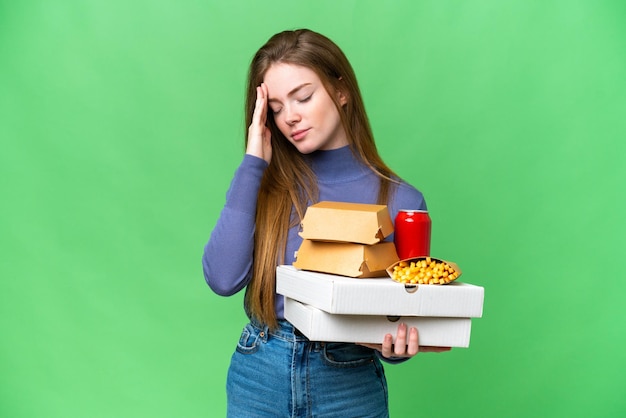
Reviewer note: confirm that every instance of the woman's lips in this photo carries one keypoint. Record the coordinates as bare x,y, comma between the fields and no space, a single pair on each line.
298,135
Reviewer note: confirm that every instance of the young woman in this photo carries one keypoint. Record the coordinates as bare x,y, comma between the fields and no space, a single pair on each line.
308,139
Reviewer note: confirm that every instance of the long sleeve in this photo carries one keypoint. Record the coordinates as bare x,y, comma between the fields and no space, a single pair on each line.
227,258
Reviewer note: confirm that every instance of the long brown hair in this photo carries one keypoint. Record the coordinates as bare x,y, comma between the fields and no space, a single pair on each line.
289,184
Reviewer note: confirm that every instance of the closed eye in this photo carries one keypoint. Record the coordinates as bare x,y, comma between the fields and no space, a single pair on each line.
306,99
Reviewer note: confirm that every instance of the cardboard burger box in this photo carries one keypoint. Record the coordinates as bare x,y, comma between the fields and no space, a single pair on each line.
346,222
318,325
346,239
346,258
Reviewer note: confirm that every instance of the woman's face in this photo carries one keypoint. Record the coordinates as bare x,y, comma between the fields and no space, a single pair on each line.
302,108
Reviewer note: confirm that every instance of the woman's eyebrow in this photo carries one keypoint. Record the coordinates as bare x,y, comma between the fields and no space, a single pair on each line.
291,93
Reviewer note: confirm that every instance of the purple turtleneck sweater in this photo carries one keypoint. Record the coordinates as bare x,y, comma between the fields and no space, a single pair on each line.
227,259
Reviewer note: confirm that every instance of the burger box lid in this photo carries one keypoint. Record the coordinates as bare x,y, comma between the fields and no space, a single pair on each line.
378,296
347,222
318,325
345,258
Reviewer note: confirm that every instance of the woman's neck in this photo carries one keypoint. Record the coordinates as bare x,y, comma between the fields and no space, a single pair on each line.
337,165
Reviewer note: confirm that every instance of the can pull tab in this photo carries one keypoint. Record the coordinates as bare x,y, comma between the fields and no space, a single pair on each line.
410,288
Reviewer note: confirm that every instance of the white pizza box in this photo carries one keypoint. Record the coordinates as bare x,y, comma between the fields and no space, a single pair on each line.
378,296
318,325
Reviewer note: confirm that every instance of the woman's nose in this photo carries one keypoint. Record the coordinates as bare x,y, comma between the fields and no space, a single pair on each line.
291,115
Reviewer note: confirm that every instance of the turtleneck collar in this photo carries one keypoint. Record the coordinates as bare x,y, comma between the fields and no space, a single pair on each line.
336,166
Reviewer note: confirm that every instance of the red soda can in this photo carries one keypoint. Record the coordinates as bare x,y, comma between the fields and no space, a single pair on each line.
412,234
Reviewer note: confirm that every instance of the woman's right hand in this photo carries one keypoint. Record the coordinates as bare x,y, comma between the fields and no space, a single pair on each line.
259,135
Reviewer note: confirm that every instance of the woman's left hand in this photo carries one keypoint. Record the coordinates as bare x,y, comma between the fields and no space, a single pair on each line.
405,345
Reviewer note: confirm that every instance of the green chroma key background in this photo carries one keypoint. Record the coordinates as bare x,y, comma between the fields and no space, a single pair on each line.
121,126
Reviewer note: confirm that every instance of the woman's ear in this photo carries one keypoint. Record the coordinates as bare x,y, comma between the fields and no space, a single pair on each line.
342,96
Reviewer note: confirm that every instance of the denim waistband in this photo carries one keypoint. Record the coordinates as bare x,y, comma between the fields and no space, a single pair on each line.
285,330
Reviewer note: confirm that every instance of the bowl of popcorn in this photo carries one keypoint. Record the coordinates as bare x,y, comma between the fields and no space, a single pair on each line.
424,270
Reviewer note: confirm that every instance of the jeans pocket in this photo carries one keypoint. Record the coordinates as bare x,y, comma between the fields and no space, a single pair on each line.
347,355
248,341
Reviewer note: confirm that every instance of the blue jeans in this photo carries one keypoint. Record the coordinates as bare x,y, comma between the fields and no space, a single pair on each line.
282,374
